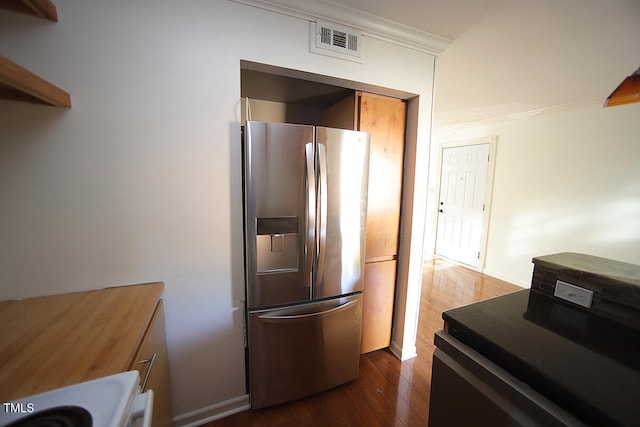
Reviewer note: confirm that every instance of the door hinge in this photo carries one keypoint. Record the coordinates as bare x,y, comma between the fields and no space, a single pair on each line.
478,254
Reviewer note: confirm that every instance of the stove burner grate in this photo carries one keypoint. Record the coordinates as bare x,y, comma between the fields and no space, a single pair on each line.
60,416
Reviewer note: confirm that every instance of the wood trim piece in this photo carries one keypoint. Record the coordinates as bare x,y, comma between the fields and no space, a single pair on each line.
24,81
383,258
43,8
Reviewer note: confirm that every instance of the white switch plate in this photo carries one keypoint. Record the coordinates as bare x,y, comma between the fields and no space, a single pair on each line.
574,294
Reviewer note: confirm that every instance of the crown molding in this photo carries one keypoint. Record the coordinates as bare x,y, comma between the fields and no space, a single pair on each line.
519,116
370,25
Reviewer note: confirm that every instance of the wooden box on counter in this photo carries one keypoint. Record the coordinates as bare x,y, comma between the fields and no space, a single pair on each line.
615,285
55,341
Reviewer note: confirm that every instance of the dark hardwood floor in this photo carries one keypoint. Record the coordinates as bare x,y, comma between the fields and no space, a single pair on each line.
388,392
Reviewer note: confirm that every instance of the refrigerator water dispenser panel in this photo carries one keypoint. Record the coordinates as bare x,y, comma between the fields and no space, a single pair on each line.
277,245
282,225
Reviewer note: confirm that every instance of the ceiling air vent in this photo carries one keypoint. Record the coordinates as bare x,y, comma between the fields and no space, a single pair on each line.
327,38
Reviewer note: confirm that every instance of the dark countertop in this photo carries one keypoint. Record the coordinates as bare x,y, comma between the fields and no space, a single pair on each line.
586,364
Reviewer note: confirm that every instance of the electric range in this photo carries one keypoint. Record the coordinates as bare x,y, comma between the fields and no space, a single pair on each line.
112,401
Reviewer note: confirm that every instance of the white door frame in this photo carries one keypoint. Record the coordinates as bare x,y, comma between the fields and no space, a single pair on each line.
493,147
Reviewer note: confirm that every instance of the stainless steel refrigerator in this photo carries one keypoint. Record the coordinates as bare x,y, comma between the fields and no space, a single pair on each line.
305,191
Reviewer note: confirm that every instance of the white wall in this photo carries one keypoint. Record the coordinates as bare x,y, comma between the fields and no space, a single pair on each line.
141,179
564,181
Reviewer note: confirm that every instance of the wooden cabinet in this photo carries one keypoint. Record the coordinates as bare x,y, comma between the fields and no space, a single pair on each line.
385,119
56,341
153,364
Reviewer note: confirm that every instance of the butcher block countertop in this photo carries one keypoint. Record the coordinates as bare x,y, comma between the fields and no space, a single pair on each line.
55,341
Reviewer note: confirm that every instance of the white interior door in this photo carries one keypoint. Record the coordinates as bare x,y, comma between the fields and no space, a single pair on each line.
463,183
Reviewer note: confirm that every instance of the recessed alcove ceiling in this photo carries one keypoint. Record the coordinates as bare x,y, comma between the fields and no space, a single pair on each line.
276,84
289,90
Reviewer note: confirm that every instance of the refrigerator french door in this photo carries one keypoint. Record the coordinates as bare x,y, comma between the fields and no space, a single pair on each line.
305,220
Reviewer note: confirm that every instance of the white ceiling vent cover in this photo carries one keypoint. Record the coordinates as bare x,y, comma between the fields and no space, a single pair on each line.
328,38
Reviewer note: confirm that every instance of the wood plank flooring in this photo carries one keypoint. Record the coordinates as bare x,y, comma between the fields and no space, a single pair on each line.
388,392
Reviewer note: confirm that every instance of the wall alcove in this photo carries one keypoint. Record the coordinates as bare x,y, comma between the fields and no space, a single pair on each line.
288,96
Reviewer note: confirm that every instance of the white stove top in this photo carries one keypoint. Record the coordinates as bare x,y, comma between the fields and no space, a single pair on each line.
109,401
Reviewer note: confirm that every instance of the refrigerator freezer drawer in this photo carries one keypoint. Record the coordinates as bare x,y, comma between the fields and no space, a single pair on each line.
304,349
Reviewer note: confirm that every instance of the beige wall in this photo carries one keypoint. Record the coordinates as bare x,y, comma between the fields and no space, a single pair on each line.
564,181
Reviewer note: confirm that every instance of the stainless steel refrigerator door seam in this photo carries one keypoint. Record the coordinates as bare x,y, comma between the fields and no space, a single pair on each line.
249,222
322,220
310,215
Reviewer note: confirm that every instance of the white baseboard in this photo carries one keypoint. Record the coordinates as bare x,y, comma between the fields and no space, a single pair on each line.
212,412
403,353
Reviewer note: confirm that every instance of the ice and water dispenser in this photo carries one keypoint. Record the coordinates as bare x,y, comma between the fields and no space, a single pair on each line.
277,244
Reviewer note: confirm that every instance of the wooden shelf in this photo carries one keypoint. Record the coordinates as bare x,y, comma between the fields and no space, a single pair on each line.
19,83
40,8
43,8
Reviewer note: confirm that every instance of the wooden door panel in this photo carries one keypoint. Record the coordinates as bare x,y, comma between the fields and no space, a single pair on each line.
384,118
377,309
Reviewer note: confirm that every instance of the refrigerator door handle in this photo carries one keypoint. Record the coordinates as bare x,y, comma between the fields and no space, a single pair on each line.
322,220
275,317
310,214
